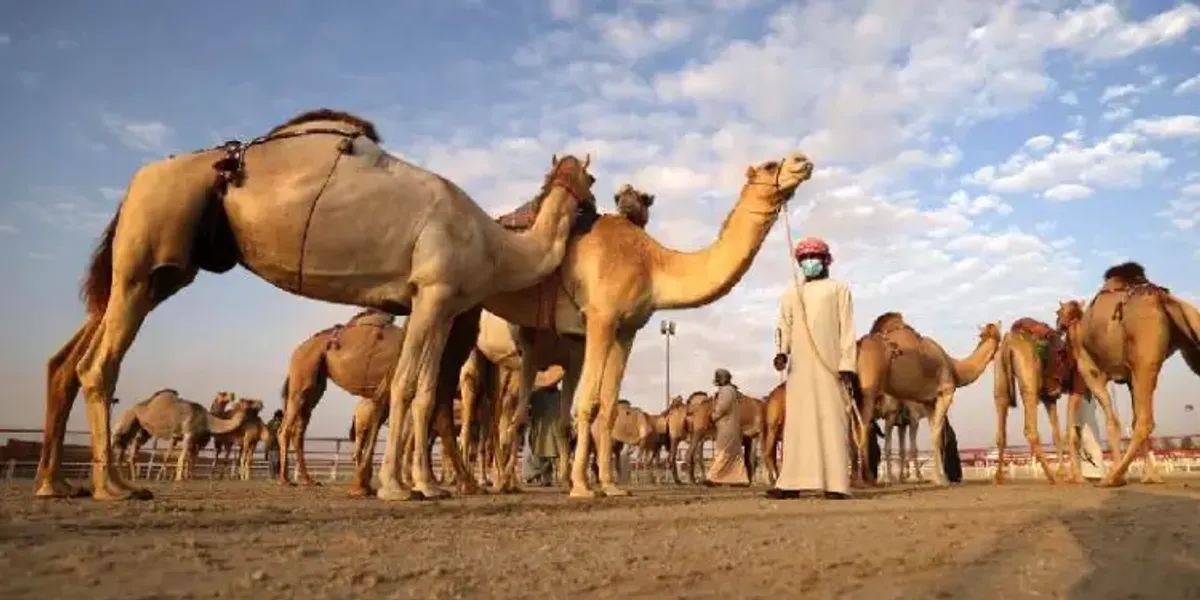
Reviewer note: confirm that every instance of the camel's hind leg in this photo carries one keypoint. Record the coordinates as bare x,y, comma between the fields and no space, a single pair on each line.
62,385
1051,406
1142,383
129,303
937,430
610,385
305,387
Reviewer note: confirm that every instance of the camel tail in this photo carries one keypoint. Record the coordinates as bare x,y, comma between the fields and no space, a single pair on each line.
1186,319
1002,375
97,284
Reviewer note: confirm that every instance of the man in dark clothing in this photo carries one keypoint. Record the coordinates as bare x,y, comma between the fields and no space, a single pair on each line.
874,454
273,447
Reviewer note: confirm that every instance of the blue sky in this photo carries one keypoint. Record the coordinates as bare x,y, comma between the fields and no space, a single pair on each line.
977,162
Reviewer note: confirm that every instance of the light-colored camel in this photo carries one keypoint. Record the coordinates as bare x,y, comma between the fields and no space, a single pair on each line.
632,427
752,412
166,416
895,360
359,356
318,208
618,276
1126,333
670,428
246,438
498,352
1033,359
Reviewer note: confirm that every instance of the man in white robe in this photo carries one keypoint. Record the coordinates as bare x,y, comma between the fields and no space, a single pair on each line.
818,348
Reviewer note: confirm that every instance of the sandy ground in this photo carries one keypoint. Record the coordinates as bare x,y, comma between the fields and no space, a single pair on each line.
255,540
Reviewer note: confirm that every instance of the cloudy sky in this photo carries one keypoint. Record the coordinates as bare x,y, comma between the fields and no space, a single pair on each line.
977,161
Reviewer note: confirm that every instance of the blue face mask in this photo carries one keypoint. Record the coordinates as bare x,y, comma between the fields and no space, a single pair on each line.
812,267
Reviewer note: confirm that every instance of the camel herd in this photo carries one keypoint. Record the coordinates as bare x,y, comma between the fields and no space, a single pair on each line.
497,308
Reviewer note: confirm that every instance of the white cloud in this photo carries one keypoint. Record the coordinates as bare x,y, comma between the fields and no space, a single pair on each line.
6,228
148,136
1114,92
566,10
1179,126
1067,192
1041,142
1182,214
1188,86
1119,160
1069,98
1191,189
1101,32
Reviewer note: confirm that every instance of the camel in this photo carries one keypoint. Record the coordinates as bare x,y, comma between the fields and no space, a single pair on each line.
752,412
498,353
165,415
905,419
618,276
317,208
360,357
670,428
1033,359
1125,334
895,360
632,427
252,431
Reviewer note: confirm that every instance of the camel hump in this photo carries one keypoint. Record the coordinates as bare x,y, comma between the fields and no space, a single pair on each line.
1033,327
521,218
363,126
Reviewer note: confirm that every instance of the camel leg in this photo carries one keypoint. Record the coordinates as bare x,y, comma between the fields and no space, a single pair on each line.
364,442
62,385
1142,383
414,386
1004,398
1074,464
99,368
598,345
469,392
610,386
1029,382
562,433
1097,384
444,423
1060,470
184,456
937,430
888,424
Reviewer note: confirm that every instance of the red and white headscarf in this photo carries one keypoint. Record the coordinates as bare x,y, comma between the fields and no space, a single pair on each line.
812,245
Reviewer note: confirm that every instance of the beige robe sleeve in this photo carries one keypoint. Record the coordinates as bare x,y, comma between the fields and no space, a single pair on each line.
783,331
724,403
848,342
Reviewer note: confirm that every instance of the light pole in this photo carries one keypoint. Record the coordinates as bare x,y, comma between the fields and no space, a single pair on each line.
667,329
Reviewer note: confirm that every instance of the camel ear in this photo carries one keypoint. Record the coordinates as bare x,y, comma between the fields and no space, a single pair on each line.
750,171
554,159
649,199
587,160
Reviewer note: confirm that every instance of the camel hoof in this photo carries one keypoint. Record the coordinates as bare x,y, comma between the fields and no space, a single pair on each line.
360,492
468,489
1152,480
431,492
582,493
396,494
109,493
613,491
1106,482
310,483
286,482
60,488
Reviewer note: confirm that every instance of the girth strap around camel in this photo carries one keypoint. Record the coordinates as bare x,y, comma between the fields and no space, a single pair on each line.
1058,365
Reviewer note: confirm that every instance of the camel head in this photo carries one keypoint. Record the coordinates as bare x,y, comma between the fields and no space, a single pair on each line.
1129,273
779,179
886,322
990,332
633,204
1068,314
571,174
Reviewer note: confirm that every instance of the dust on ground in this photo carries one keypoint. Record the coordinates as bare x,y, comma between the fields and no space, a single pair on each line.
207,539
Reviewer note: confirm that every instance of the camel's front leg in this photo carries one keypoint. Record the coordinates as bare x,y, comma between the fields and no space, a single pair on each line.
562,433
1097,384
1074,465
888,425
610,386
364,441
182,466
1142,383
444,423
937,431
62,385
1060,470
599,344
468,386
428,330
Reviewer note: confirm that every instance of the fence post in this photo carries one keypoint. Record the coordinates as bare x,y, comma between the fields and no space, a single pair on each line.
12,468
337,456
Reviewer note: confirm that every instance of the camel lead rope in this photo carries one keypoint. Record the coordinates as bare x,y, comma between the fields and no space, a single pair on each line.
856,416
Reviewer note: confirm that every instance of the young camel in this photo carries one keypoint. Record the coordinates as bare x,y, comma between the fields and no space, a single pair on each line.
618,276
316,207
1126,333
166,416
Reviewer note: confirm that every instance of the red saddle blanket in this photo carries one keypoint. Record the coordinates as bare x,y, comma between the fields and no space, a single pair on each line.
1058,366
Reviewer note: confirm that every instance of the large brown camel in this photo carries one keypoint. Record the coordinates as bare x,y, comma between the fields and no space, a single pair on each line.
498,353
1033,360
318,208
618,276
670,429
1126,333
360,356
752,412
895,360
167,416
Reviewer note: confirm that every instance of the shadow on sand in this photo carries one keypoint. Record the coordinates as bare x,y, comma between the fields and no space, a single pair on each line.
1139,544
